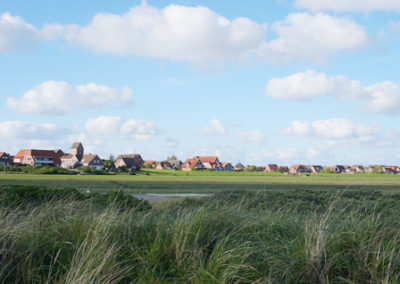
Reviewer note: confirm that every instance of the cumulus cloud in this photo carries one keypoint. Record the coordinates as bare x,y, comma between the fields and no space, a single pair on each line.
15,33
251,136
176,32
335,129
215,128
201,36
381,97
312,37
30,130
348,5
59,97
108,127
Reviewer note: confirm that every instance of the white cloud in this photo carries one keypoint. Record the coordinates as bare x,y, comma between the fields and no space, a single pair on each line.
104,126
312,37
30,130
251,136
335,129
216,128
15,33
201,36
108,127
349,5
59,97
381,97
139,129
176,32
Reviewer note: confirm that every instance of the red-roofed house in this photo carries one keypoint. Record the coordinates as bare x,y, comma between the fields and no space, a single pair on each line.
192,163
271,168
227,167
210,162
35,157
296,169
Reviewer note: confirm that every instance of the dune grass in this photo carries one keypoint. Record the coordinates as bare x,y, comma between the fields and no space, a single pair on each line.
235,237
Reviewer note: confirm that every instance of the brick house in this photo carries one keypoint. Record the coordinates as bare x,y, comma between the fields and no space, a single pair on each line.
93,161
130,161
33,157
271,168
227,167
210,162
192,163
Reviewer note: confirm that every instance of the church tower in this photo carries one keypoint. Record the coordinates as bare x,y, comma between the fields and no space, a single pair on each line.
77,150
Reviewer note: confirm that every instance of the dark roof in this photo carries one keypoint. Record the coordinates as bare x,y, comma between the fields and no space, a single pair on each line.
239,165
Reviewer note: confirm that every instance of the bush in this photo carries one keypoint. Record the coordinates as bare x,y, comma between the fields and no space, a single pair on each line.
22,196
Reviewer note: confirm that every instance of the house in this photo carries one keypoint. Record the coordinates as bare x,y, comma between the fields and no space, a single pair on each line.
271,168
164,166
149,164
192,163
93,161
227,167
298,169
58,152
337,169
33,157
175,164
74,158
5,159
358,168
349,170
130,161
210,162
239,167
316,169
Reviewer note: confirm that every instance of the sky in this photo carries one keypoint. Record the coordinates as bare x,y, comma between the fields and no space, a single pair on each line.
279,81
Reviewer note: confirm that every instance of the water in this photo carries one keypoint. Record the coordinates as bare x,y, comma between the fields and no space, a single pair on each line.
165,196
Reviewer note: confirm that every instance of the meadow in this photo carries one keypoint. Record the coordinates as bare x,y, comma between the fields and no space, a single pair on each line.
63,236
160,183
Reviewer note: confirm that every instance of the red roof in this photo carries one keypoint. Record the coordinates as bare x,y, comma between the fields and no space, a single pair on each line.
207,159
38,153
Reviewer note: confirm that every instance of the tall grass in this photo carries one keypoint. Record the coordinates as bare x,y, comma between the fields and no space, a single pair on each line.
235,237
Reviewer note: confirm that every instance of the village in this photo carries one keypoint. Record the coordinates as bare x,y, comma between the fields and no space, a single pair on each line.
76,158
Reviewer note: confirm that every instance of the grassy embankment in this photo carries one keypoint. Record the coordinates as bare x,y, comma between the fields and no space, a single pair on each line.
207,184
246,237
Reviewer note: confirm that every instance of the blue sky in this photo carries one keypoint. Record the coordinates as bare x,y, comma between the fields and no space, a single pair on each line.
302,81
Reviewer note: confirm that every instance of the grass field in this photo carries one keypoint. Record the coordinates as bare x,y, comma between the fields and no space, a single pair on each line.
61,236
208,184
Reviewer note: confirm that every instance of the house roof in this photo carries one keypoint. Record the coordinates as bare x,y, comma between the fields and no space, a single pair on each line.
88,158
273,167
38,153
207,159
191,162
66,156
149,162
239,165
75,145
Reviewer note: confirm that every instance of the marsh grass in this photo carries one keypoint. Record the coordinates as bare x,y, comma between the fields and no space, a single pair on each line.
236,237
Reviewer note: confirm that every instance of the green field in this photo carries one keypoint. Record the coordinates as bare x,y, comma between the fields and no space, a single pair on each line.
207,184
